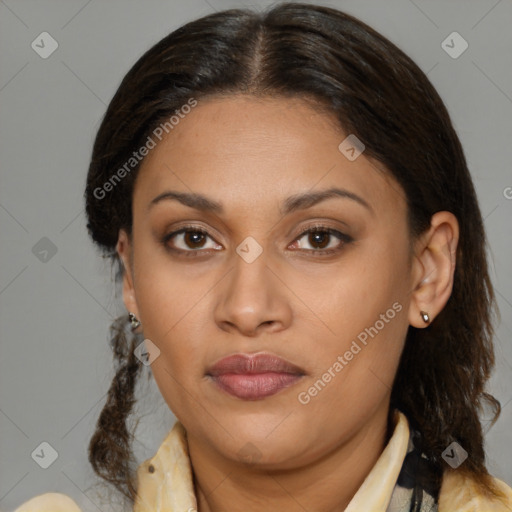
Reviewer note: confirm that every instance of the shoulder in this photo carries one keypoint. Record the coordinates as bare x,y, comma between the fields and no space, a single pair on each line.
49,502
462,493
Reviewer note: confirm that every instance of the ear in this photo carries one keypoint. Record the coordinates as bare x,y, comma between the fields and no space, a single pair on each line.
125,251
433,268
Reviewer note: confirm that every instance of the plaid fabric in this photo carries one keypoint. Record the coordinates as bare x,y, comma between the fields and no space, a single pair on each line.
418,484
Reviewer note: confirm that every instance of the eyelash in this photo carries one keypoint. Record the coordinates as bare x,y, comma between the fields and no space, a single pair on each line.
344,239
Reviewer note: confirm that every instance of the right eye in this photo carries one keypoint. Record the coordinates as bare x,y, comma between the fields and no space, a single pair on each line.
188,240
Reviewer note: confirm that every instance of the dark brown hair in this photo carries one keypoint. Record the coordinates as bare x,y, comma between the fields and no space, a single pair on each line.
375,92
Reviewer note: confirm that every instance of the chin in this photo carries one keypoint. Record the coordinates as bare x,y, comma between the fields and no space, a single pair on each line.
263,439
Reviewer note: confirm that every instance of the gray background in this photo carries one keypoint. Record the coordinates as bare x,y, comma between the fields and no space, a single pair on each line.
55,364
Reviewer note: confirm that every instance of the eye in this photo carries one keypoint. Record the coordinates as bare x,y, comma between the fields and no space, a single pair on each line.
321,240
189,239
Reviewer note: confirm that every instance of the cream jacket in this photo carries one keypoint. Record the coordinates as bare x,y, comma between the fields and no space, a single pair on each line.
165,482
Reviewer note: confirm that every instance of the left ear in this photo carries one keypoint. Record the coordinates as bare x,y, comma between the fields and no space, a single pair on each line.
433,268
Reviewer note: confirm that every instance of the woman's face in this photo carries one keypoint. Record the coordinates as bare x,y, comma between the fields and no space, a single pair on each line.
247,278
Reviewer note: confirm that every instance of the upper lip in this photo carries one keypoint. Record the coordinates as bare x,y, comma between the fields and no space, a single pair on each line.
252,364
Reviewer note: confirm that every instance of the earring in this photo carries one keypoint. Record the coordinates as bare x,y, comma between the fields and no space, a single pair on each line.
425,316
134,321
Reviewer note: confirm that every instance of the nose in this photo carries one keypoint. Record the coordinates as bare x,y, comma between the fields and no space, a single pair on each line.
253,299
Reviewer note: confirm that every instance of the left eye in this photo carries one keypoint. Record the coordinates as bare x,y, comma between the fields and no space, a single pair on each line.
321,239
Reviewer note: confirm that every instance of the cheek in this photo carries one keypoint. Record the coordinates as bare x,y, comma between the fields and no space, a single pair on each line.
364,308
179,369
349,297
354,371
166,292
175,310
174,317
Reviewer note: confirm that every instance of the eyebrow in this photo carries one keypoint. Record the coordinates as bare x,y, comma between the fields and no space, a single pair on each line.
290,204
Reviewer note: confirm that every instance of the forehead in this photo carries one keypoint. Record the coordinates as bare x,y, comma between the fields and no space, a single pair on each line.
256,151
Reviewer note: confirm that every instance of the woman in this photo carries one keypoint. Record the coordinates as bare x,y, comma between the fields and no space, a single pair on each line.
303,265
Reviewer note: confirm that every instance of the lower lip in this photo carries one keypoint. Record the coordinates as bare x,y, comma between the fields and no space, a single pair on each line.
255,386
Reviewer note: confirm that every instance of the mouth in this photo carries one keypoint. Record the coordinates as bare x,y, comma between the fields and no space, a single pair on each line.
254,376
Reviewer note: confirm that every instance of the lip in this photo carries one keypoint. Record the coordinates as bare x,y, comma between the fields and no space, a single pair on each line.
254,376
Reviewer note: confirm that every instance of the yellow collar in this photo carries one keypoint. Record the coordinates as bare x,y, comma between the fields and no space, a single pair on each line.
169,487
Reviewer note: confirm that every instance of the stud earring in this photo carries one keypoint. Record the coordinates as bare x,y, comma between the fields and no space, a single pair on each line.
134,321
425,316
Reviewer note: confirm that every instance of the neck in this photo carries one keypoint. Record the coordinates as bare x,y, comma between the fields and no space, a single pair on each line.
326,484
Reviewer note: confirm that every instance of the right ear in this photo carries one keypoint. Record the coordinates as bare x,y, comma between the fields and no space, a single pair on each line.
124,250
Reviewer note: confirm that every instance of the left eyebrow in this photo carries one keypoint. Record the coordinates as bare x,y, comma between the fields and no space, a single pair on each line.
309,199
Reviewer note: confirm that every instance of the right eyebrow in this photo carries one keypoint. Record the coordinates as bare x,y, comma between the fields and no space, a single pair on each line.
196,201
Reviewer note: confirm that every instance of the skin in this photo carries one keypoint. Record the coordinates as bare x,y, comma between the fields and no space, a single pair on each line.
250,155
